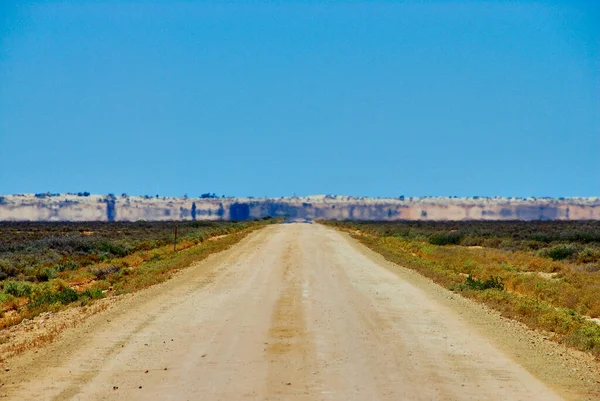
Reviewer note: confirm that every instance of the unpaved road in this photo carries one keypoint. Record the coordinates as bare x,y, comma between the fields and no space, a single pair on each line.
293,312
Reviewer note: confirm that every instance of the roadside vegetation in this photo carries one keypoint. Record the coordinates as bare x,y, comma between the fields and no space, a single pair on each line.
45,267
545,274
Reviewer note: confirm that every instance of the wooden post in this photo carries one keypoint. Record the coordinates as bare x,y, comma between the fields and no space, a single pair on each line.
175,242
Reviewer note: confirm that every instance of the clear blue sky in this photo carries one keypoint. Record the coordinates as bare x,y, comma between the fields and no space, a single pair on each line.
276,98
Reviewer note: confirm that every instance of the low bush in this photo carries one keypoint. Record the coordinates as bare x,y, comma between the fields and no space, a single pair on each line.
114,249
64,296
559,252
17,288
46,274
588,255
93,293
68,265
102,272
451,238
586,337
4,297
7,269
471,283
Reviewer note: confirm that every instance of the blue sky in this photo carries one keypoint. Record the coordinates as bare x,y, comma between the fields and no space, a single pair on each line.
280,98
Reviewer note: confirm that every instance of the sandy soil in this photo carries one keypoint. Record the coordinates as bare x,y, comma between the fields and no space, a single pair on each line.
298,312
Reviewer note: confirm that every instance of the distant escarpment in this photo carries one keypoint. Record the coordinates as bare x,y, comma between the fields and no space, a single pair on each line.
86,207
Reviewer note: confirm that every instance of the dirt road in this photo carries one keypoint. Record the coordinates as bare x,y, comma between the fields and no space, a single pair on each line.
294,312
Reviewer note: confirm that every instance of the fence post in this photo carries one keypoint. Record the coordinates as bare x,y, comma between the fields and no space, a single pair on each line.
175,242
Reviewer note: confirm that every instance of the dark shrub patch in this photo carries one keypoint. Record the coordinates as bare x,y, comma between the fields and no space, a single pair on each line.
46,274
7,269
64,296
493,283
93,293
451,238
559,252
17,288
116,250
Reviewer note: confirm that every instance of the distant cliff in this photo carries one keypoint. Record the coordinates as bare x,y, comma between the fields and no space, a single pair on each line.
58,207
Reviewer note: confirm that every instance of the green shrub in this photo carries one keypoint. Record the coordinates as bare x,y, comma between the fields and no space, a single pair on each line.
67,295
471,283
115,249
450,238
64,296
559,252
7,269
4,297
588,255
508,267
17,288
68,265
46,274
45,287
93,293
586,337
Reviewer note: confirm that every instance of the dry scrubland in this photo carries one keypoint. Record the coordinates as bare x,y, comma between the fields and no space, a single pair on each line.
45,267
273,318
544,274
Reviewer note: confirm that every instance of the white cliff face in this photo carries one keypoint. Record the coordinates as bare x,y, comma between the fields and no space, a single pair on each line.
131,208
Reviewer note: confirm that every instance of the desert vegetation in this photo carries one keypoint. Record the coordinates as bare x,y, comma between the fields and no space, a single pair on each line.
545,274
46,266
